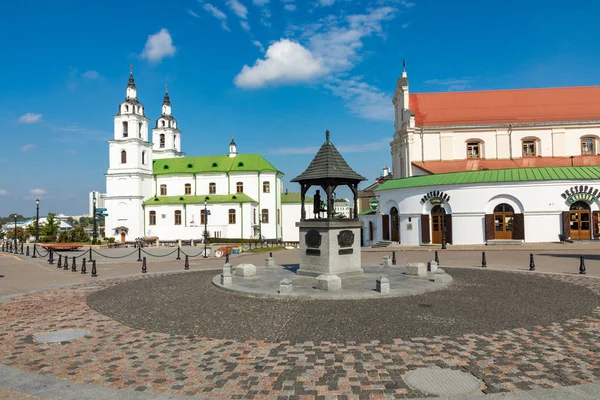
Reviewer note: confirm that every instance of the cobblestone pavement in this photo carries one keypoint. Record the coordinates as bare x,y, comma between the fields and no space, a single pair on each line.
554,354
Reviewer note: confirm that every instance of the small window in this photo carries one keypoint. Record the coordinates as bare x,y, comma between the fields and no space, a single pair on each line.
202,217
123,157
177,217
163,190
266,187
188,188
278,217
473,150
126,108
232,216
214,165
254,217
240,164
529,148
265,216
140,130
239,187
152,218
503,208
162,140
143,157
174,137
588,146
163,123
125,129
212,188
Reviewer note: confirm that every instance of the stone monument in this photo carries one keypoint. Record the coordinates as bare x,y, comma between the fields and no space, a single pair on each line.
329,245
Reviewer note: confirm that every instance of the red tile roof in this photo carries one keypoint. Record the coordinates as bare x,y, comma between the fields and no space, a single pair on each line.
506,106
442,167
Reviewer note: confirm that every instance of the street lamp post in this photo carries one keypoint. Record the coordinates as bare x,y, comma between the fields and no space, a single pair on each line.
443,228
15,238
205,227
95,234
37,226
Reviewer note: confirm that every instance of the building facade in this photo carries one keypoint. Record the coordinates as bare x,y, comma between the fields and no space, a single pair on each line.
154,190
477,167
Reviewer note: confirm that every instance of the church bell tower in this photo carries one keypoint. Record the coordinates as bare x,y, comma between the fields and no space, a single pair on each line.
165,136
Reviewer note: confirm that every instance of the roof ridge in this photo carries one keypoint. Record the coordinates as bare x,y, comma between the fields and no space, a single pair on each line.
508,90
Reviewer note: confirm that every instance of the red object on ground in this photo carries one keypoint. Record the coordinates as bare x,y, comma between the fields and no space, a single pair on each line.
61,246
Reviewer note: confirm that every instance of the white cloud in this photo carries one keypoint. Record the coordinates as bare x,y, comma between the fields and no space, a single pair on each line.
91,74
259,45
260,3
238,8
28,147
245,25
452,84
264,11
192,13
218,14
343,148
3,192
362,99
285,61
288,5
30,118
159,46
37,191
325,3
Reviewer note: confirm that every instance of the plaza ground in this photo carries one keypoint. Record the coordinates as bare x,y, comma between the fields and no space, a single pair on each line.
530,358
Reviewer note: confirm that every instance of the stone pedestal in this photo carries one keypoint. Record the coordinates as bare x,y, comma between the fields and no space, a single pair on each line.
330,247
245,270
328,283
269,262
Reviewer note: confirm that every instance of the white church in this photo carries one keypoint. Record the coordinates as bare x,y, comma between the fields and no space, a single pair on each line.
154,190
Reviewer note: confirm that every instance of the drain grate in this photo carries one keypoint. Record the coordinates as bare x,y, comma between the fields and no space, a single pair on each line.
443,382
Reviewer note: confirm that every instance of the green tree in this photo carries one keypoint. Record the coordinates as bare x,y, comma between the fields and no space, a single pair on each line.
21,234
2,234
63,237
78,235
50,229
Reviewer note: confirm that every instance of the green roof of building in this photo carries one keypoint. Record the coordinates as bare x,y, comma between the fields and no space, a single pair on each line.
368,212
208,164
211,198
499,175
287,198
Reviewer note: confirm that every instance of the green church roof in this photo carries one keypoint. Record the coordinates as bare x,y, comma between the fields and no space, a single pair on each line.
289,198
211,198
208,164
499,175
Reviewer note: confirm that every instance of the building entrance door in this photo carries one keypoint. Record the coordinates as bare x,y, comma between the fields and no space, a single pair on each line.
437,224
580,221
395,224
503,221
122,237
385,224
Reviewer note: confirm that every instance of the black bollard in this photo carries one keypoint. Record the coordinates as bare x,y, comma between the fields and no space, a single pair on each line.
226,258
140,253
34,250
187,263
483,260
94,271
178,253
144,268
531,262
59,261
271,254
51,257
27,252
436,258
66,264
91,258
22,249
581,265
393,258
73,266
3,247
83,269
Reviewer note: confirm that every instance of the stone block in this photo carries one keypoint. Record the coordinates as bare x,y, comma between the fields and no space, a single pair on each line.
441,276
416,269
382,285
245,270
226,279
386,261
227,269
285,286
269,262
328,283
432,266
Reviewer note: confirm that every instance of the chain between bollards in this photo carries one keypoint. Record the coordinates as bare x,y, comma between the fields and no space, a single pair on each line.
531,262
187,263
393,258
436,258
83,269
483,260
144,268
94,271
74,266
581,265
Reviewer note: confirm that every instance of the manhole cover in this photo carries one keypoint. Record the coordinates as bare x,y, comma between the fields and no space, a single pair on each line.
442,382
90,288
65,335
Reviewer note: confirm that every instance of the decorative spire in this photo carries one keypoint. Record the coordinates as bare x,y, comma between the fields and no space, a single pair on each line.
327,136
131,83
167,100
232,141
404,65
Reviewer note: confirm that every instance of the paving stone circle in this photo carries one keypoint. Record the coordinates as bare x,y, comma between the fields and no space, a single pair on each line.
443,381
64,335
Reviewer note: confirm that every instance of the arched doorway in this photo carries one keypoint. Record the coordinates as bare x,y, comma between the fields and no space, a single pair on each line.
503,221
580,221
395,224
122,237
437,224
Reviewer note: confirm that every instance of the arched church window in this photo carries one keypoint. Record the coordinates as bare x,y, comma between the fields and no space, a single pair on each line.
174,137
188,188
152,218
162,140
212,188
163,190
232,216
140,130
125,129
178,217
239,186
123,157
126,108
143,157
163,122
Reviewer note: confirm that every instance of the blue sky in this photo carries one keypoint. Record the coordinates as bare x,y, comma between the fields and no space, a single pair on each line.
277,73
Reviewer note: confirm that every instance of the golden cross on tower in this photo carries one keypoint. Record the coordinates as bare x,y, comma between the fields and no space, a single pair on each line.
130,69
167,87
